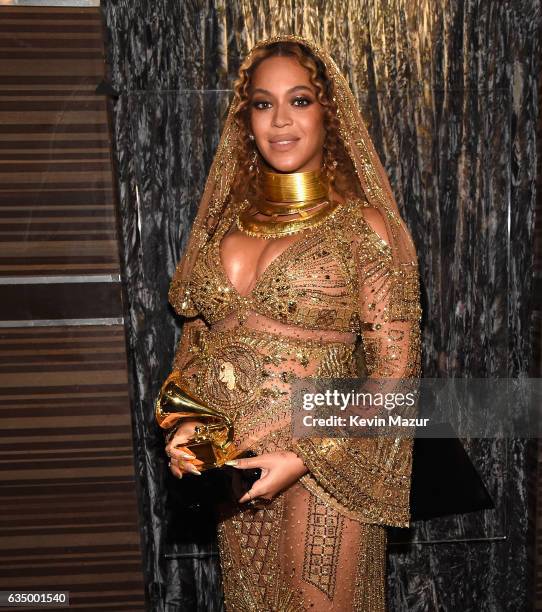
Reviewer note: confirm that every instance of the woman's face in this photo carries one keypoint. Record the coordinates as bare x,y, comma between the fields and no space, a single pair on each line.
286,119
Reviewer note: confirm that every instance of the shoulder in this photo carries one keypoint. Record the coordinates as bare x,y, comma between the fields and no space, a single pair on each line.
367,220
375,219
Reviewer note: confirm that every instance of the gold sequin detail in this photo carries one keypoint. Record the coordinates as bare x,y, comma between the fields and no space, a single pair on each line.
339,279
322,545
341,284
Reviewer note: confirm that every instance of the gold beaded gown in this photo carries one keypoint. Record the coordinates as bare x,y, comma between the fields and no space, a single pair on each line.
320,545
335,300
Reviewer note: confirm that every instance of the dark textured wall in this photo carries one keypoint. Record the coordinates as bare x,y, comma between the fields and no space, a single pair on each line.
449,92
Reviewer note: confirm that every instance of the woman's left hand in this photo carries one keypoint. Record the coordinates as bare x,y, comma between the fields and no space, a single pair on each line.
279,471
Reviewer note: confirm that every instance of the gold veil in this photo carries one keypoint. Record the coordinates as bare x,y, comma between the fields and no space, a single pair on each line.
357,142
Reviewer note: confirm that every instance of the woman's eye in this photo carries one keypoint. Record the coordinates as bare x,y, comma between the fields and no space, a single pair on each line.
261,104
302,101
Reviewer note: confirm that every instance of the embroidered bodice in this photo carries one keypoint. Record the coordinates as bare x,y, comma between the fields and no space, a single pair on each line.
333,286
312,283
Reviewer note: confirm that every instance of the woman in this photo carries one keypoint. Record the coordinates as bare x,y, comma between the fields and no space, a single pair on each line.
297,255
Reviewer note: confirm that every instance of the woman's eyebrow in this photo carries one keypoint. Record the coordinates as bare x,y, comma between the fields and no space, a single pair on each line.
291,90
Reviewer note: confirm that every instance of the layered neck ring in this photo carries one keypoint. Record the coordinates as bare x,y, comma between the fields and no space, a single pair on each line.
295,187
299,193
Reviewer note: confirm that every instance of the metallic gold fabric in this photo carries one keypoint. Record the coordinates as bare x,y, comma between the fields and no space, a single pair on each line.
240,353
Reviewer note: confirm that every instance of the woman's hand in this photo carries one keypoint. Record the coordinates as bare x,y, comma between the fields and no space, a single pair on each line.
183,459
279,471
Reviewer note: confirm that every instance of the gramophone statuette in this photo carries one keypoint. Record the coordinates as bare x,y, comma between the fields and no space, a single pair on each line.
212,442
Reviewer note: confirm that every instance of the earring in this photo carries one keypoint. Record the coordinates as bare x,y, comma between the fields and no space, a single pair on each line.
329,162
254,162
251,136
330,166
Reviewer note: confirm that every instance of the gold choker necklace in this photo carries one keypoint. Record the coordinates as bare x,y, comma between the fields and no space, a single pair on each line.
276,229
295,187
304,194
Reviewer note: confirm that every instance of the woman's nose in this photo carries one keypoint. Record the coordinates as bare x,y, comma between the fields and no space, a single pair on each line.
281,116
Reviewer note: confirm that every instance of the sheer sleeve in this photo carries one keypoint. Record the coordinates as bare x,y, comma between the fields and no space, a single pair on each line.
187,343
389,304
370,477
184,352
180,297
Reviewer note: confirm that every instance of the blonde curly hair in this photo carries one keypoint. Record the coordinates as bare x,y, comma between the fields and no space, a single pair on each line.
338,166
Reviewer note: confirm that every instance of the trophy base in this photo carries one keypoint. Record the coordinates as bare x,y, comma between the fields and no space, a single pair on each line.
211,455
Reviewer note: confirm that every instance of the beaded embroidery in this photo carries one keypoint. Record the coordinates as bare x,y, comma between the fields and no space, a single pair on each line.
339,285
241,353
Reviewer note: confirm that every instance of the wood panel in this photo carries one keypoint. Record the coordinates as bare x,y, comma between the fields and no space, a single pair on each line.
68,487
57,211
69,510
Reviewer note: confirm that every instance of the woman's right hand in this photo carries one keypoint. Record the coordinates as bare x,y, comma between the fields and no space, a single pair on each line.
182,459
